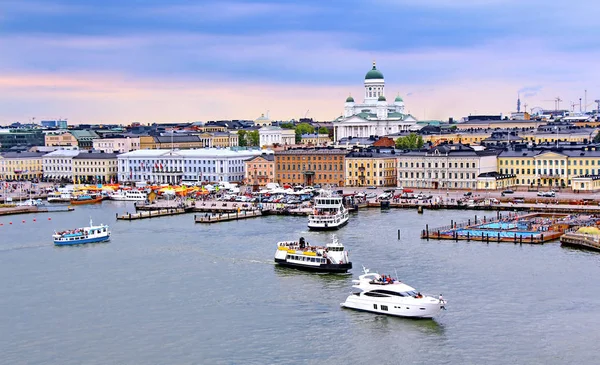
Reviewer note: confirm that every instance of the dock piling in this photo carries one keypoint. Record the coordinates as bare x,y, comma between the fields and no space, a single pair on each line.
398,234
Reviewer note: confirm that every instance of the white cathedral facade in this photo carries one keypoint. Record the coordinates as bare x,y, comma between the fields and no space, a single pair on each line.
374,116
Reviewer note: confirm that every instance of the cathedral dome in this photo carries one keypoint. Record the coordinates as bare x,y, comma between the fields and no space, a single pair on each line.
398,99
374,74
381,98
350,99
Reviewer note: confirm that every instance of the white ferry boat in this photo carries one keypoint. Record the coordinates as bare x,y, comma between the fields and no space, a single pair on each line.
79,236
302,255
384,295
128,195
329,213
58,197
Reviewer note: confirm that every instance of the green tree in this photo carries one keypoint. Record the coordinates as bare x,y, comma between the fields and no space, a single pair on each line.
242,138
254,138
323,130
287,125
303,128
410,142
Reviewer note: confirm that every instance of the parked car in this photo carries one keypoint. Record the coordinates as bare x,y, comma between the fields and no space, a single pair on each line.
508,191
468,193
371,187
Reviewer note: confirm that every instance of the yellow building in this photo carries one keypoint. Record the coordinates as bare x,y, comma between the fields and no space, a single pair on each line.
316,139
168,142
549,168
464,137
495,181
60,139
95,167
21,165
369,168
223,139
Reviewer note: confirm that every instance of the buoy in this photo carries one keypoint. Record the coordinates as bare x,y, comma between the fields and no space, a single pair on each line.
10,223
23,221
49,218
34,219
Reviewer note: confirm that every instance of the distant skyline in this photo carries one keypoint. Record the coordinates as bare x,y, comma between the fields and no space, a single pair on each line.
174,61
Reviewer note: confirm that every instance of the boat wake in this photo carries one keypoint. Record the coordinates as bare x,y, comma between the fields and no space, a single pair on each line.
217,258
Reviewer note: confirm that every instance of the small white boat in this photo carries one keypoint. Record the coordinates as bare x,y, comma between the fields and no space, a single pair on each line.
303,256
79,236
58,197
128,195
329,212
30,203
384,295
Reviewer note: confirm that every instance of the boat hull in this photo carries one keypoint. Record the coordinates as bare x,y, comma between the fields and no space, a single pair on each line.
325,268
82,242
326,226
392,308
88,201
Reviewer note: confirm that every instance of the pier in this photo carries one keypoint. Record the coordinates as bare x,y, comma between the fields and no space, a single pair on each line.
222,217
35,209
151,214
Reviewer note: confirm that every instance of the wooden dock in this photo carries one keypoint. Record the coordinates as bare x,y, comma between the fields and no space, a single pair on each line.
223,217
151,214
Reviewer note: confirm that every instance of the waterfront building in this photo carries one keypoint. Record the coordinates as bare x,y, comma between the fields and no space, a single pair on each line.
260,170
474,123
371,168
21,165
374,116
446,166
495,181
95,167
315,139
549,166
209,165
58,165
12,139
269,136
119,144
310,166
561,133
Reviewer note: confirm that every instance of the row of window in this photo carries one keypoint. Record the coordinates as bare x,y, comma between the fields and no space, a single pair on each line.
314,158
436,164
293,167
429,175
381,173
301,176
381,165
549,162
308,259
441,184
549,171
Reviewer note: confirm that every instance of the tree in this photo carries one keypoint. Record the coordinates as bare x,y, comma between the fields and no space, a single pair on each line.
323,130
242,138
254,138
410,142
287,125
303,128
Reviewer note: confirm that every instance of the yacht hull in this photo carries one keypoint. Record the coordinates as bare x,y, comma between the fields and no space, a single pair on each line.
325,268
326,226
82,241
416,309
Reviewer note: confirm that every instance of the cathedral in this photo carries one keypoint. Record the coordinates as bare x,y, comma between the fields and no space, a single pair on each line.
374,116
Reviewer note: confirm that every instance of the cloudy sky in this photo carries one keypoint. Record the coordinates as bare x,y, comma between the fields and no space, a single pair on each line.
117,61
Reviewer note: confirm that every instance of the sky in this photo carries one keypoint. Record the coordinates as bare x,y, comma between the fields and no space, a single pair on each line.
119,61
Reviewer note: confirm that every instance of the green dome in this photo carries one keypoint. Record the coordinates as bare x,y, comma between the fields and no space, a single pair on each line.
398,99
381,98
374,73
349,99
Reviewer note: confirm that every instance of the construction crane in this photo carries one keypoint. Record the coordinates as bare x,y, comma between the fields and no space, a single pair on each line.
597,110
556,101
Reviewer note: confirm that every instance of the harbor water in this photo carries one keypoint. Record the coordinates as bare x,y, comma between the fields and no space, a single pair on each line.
169,291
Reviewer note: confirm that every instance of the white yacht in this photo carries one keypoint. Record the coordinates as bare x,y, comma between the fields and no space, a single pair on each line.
304,256
128,195
58,197
329,212
384,295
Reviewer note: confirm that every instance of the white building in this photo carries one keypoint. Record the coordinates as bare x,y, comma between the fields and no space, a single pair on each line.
117,145
447,166
58,165
172,167
374,116
276,135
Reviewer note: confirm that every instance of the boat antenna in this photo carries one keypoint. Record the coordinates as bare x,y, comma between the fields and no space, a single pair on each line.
396,272
365,270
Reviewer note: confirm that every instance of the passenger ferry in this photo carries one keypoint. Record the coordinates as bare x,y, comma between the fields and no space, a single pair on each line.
383,294
302,255
58,197
329,213
79,236
128,195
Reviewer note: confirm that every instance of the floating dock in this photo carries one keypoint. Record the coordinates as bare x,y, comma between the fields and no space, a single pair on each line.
581,240
535,228
223,217
34,209
151,214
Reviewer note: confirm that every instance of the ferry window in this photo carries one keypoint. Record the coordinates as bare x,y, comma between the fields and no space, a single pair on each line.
312,259
374,306
384,307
